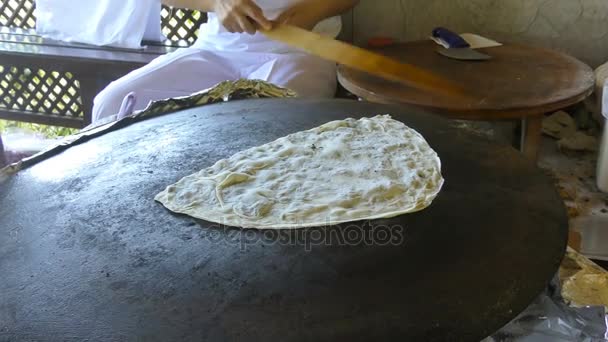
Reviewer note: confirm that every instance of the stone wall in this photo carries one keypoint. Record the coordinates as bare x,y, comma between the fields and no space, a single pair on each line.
578,27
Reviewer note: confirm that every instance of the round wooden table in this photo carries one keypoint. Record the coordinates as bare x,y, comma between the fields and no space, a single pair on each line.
519,82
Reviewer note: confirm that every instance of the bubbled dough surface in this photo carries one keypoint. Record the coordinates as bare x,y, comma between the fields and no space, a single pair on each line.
346,170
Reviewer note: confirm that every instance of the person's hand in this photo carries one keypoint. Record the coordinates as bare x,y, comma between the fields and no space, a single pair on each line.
240,16
304,14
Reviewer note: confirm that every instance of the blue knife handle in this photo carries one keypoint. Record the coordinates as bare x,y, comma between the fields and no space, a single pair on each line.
454,40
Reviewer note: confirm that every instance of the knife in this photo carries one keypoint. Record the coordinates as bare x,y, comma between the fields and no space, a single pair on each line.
364,60
456,47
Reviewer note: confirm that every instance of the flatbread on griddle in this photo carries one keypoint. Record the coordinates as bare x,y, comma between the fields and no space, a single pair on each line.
342,171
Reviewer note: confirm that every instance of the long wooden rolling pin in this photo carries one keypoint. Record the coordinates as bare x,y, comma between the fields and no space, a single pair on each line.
364,60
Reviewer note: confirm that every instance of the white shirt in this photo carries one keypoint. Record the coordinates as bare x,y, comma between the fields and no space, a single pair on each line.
214,36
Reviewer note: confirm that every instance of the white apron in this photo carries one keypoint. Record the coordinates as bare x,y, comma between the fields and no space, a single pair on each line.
219,55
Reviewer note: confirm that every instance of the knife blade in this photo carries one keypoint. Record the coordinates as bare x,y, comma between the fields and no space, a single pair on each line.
456,47
364,60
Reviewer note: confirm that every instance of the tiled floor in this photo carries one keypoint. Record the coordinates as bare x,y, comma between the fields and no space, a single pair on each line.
587,206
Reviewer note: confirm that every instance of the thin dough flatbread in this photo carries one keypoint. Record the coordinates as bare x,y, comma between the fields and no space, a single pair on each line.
342,171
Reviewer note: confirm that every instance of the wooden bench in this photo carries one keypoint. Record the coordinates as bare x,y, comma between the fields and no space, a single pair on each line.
54,83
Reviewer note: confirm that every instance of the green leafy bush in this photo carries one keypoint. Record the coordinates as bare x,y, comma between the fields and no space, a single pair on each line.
47,131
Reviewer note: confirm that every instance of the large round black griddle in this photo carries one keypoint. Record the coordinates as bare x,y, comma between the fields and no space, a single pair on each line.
86,253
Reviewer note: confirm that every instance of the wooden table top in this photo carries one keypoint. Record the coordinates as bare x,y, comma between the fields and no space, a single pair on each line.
21,44
519,81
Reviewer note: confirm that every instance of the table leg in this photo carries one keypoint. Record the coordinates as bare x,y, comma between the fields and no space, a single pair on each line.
531,128
3,160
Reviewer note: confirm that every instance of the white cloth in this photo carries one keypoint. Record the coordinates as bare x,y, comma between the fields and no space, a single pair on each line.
601,88
605,100
187,71
219,55
119,23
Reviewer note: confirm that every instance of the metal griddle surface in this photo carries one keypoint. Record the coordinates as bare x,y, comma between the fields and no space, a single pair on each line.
86,253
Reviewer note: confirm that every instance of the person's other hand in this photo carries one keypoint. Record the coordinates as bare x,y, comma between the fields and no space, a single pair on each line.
302,14
239,16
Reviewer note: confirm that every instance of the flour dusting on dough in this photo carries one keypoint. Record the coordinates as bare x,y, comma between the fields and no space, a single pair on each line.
342,171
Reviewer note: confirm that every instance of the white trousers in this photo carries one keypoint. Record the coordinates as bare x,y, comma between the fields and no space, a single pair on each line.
190,70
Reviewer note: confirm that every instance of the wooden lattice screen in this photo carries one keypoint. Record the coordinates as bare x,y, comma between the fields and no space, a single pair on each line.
44,91
181,26
38,91
17,13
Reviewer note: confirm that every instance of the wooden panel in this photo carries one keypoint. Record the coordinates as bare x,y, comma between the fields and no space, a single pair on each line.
61,54
44,119
29,37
